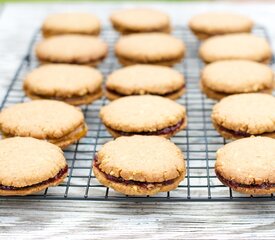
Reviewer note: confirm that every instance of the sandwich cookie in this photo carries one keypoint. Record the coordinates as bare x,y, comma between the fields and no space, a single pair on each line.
235,46
30,165
143,115
140,165
244,115
145,79
223,78
71,23
248,165
73,84
209,24
140,20
50,120
72,49
149,48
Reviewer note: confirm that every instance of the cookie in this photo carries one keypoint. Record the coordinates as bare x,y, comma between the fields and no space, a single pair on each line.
244,115
71,23
235,46
133,166
209,24
72,49
70,83
143,115
248,165
50,120
29,165
138,20
149,48
223,78
145,79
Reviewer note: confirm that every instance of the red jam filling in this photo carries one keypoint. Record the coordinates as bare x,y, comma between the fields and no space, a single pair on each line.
238,133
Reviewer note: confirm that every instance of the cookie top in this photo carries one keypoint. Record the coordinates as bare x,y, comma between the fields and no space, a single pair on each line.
142,158
40,119
71,49
63,80
237,76
150,47
253,113
248,160
141,113
71,23
27,161
140,20
144,79
235,46
213,23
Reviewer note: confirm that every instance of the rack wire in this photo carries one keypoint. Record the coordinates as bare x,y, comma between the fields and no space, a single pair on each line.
199,141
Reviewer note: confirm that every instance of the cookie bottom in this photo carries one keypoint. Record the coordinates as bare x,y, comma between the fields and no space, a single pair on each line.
263,61
136,188
264,188
13,191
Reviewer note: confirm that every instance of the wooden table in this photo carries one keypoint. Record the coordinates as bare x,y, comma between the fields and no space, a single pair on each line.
115,220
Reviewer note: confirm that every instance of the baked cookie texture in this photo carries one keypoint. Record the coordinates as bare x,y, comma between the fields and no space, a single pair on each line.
138,20
73,84
145,79
29,165
149,48
223,78
71,23
72,49
248,165
209,24
140,165
244,115
143,115
235,46
54,121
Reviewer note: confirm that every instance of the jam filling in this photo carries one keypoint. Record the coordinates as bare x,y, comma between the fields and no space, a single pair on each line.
233,132
234,184
58,176
131,182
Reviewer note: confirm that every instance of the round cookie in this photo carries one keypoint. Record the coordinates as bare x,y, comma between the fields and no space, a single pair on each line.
73,84
71,23
145,79
235,46
50,120
140,20
29,165
244,115
223,78
248,165
143,115
133,166
149,48
209,24
72,49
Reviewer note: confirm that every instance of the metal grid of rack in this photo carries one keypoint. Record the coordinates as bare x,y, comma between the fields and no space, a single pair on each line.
199,141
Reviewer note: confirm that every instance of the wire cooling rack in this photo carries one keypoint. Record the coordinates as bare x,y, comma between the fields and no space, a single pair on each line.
199,141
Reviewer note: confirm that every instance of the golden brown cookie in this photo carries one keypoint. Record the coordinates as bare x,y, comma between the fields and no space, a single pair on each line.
248,165
145,79
72,49
223,78
29,165
235,46
54,121
71,23
143,115
140,165
244,115
149,48
140,20
73,84
209,24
